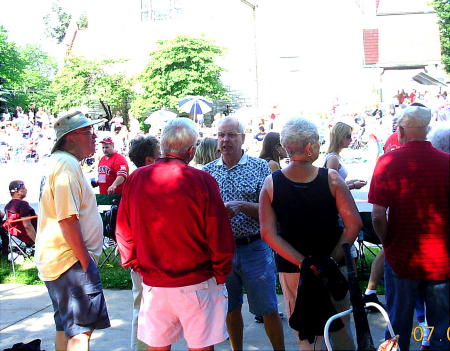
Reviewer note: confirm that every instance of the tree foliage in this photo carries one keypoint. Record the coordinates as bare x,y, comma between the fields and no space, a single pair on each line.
83,82
27,72
82,22
179,67
11,63
37,75
56,22
442,8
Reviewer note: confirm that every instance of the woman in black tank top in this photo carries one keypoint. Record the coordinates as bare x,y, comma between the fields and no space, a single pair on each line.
303,202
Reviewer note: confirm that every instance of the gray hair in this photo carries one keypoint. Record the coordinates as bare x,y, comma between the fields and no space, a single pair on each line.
415,117
440,139
241,127
296,134
178,136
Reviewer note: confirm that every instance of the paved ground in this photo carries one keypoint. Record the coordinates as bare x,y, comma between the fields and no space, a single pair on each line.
26,314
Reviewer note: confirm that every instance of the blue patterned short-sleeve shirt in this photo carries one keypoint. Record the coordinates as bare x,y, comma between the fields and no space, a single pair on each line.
242,182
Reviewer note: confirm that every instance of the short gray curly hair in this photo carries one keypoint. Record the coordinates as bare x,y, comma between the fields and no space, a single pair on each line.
296,134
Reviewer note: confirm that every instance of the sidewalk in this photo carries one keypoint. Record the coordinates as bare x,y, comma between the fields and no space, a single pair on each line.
26,314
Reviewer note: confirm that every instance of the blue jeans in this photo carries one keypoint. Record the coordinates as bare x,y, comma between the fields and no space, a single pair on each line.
420,308
253,269
401,296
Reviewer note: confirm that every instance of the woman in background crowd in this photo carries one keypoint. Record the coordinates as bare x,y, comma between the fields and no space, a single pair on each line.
340,138
207,151
272,151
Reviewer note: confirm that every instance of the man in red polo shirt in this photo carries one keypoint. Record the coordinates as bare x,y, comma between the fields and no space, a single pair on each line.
112,169
411,183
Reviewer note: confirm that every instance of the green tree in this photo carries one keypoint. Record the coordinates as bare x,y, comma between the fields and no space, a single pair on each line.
82,22
56,22
36,78
11,66
83,82
442,8
27,73
179,67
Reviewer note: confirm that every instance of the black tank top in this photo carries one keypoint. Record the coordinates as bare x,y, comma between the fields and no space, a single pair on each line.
307,216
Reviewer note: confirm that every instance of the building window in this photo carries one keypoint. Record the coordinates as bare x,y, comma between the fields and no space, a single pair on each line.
145,10
160,10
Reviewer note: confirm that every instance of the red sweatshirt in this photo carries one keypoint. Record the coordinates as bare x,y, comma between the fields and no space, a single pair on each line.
172,226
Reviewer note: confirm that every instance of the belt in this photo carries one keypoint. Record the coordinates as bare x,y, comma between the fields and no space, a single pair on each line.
247,240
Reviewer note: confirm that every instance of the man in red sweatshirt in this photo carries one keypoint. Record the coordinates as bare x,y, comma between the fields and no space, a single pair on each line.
173,229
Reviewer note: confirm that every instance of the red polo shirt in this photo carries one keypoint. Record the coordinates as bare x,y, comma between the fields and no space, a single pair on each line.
413,183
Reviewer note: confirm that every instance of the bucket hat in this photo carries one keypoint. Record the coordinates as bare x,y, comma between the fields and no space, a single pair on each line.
71,122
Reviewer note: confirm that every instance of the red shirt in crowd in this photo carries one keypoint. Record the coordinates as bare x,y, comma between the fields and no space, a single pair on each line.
108,170
413,183
16,209
172,226
391,143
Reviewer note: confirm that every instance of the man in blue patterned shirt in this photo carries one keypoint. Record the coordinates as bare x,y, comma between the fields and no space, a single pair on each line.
240,178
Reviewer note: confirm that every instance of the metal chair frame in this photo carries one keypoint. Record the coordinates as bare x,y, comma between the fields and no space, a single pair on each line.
349,311
108,255
367,235
112,254
13,240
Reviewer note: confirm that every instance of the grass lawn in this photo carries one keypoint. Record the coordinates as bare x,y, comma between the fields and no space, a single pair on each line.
113,276
364,271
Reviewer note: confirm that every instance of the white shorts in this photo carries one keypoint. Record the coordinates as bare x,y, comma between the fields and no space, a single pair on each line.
199,311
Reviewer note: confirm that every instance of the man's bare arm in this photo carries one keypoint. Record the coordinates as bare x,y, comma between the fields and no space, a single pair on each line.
31,232
119,180
71,231
379,221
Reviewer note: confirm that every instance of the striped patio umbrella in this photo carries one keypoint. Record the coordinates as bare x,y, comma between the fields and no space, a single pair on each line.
195,105
161,115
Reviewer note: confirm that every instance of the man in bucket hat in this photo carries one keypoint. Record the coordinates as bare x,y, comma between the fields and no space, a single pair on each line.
69,237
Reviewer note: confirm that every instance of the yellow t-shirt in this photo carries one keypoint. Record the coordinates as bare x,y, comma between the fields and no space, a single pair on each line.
65,192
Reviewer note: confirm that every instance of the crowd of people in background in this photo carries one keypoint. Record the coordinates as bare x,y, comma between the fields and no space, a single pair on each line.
251,205
27,135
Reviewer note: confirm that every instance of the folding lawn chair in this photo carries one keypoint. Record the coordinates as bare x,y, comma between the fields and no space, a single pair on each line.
110,251
366,236
17,236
